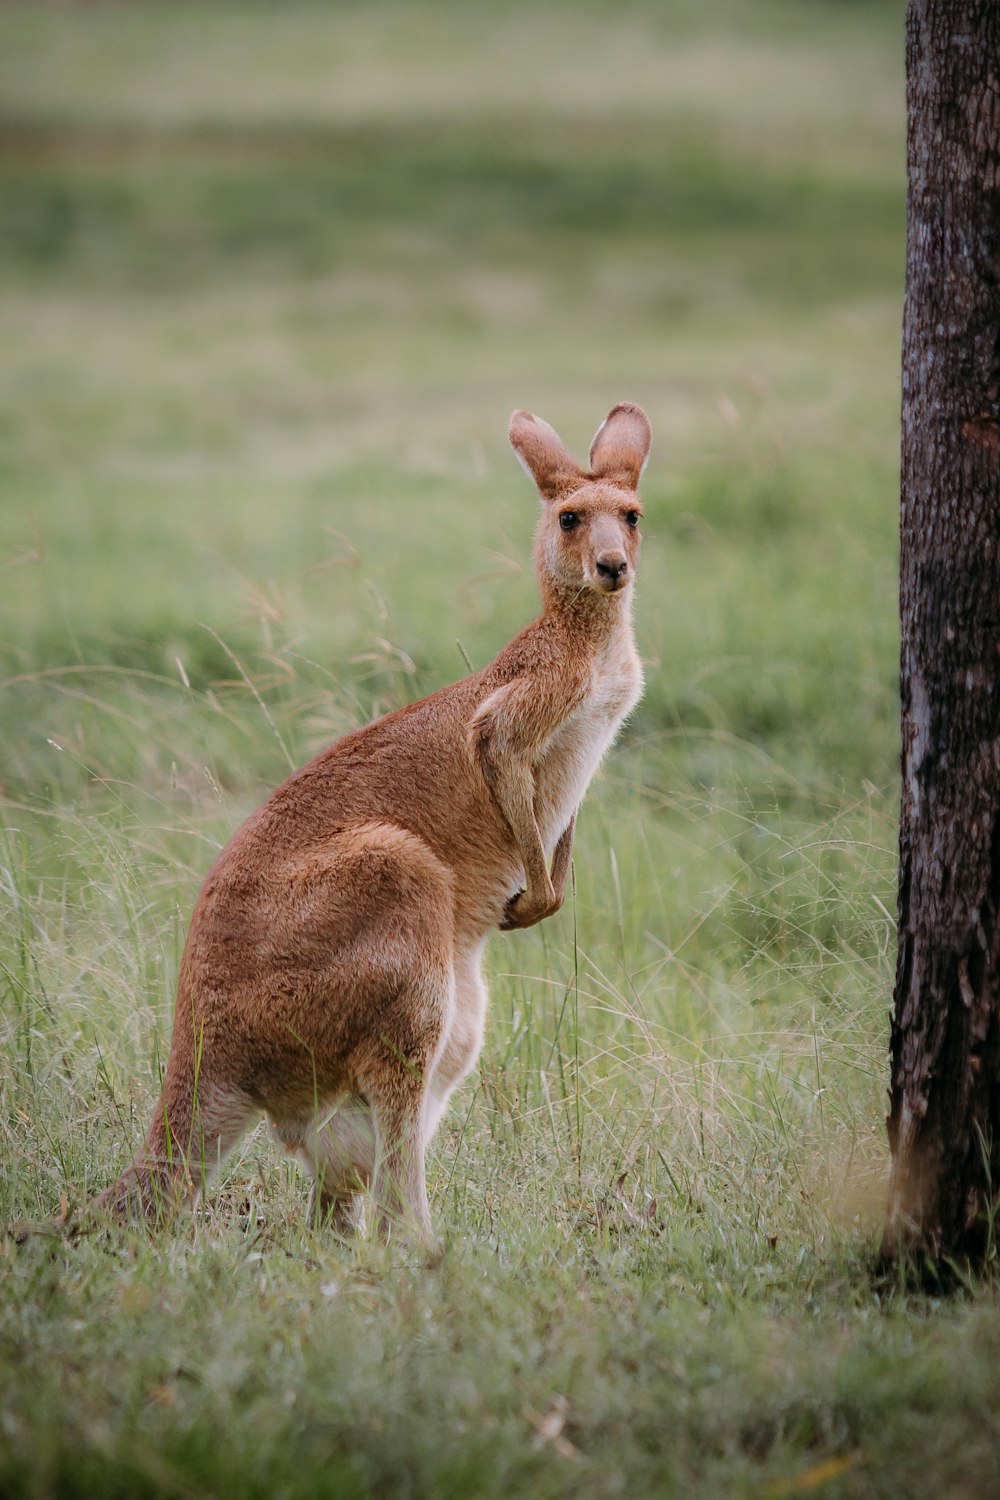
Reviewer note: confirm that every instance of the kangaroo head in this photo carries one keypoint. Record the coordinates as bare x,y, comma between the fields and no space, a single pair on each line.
588,537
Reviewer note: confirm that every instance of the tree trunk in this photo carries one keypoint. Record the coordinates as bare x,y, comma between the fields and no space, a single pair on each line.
944,1125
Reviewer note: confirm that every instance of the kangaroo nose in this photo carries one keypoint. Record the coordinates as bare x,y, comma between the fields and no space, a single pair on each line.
612,569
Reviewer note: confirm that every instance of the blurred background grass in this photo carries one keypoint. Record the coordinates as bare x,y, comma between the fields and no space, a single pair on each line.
272,278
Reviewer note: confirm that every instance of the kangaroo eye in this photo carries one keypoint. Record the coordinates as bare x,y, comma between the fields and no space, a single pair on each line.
569,520
632,518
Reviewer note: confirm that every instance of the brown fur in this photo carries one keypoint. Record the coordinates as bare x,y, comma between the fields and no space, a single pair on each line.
332,971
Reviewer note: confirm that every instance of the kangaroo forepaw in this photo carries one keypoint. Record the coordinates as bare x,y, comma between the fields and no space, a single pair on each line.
518,913
509,920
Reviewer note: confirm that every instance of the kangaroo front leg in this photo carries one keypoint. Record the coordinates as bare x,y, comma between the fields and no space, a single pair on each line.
561,861
538,899
505,735
514,916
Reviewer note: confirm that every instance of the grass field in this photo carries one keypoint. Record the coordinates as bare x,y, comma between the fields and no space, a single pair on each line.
271,280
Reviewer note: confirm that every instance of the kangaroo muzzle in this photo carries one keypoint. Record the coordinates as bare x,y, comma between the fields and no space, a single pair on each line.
611,570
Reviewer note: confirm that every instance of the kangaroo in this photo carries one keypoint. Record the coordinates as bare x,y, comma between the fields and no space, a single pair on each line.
332,972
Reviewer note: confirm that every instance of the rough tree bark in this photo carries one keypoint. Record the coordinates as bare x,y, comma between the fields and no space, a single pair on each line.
944,1125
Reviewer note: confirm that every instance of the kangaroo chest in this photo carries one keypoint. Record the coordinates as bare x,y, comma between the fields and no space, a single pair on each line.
576,748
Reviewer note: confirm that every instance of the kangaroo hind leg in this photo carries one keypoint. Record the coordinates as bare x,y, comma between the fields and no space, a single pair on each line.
337,1152
394,1072
389,984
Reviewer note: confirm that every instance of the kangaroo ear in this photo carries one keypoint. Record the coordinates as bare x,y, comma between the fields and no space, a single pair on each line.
621,446
544,455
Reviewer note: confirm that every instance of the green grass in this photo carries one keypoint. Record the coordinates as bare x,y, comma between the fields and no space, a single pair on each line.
271,280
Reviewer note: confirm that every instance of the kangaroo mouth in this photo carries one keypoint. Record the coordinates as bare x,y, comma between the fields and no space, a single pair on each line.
607,585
